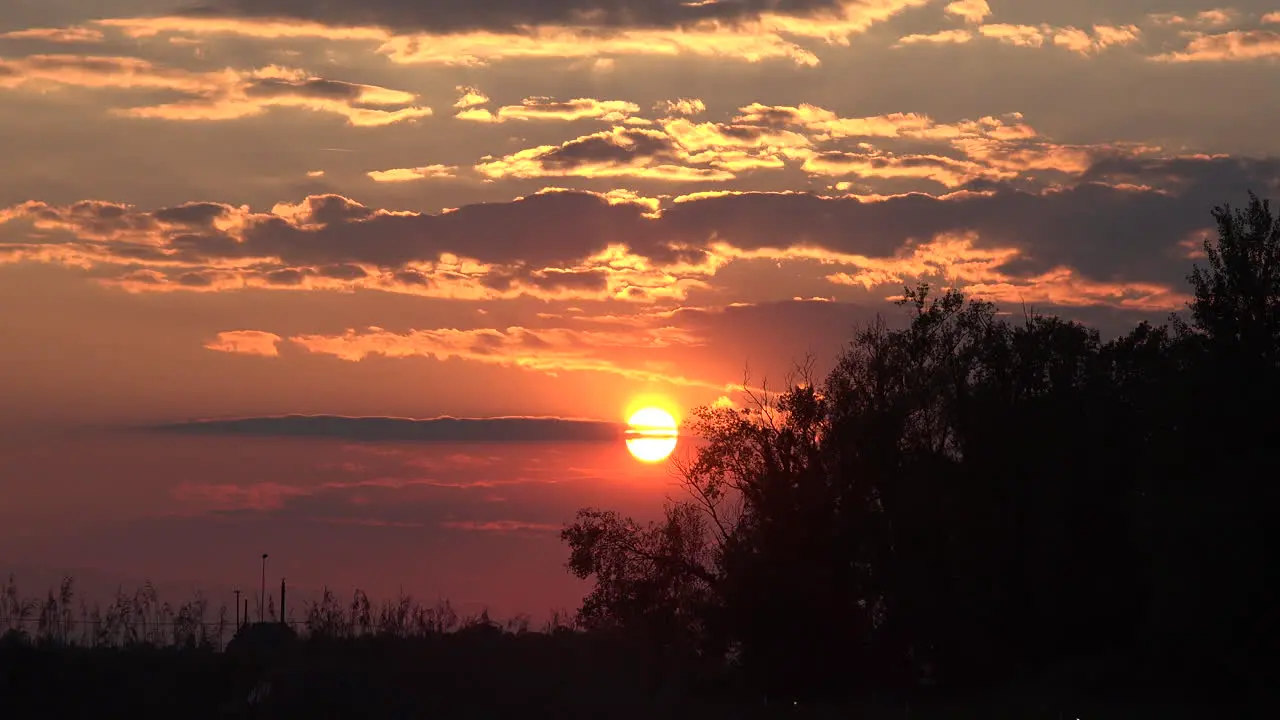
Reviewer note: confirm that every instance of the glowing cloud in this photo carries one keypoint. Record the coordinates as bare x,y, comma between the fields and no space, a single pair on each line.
246,342
410,174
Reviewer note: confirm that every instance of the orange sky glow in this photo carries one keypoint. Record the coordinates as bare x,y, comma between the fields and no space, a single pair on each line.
484,236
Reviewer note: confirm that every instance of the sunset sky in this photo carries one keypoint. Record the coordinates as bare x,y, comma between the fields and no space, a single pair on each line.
563,209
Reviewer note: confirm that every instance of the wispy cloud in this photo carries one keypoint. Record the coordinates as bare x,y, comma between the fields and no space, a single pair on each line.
409,174
71,35
214,95
1232,46
543,108
971,11
391,429
501,526
246,342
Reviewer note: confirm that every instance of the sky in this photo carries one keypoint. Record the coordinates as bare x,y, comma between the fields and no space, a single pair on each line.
558,211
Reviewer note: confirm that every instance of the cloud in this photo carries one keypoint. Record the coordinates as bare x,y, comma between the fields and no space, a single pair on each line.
469,96
550,351
1103,37
502,526
946,171
214,95
942,37
393,494
1232,46
72,34
681,106
980,271
620,152
410,174
543,108
464,15
258,497
971,11
1216,17
1070,38
246,342
367,522
391,429
467,33
1121,219
827,125
989,148
1019,35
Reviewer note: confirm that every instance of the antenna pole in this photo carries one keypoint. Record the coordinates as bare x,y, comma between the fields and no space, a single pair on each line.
262,598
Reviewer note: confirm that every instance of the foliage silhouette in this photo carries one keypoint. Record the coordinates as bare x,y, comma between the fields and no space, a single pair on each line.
974,501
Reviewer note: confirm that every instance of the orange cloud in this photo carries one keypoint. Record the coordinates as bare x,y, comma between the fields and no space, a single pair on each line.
469,97
971,11
957,259
1104,36
949,172
624,246
1216,17
681,106
548,351
72,34
1019,35
992,147
1233,46
263,29
827,125
107,234
762,36
217,95
695,137
617,196
942,37
1271,18
543,108
620,152
410,174
1068,37
246,342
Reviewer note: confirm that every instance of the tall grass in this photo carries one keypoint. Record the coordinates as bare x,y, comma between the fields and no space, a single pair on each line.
137,618
60,618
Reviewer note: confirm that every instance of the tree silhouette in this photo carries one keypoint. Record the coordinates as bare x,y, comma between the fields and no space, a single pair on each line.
970,499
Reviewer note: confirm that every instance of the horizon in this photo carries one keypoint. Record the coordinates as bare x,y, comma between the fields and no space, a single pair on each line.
380,290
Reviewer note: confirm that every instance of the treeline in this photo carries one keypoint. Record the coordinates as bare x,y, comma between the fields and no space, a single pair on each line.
978,500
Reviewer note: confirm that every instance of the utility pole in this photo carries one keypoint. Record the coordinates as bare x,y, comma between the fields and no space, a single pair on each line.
262,598
237,592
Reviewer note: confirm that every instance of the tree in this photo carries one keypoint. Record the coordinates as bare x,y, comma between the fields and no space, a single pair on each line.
1237,296
974,498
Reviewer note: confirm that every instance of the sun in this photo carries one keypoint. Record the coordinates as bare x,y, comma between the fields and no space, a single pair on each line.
651,434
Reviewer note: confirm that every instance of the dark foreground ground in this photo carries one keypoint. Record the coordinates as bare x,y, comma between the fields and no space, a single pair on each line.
540,676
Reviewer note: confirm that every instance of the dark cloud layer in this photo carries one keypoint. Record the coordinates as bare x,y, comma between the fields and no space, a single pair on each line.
388,429
1131,221
447,15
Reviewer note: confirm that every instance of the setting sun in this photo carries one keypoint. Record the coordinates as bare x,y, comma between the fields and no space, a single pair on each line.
651,434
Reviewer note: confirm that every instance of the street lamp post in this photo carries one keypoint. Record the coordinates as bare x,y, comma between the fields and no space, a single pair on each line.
262,597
